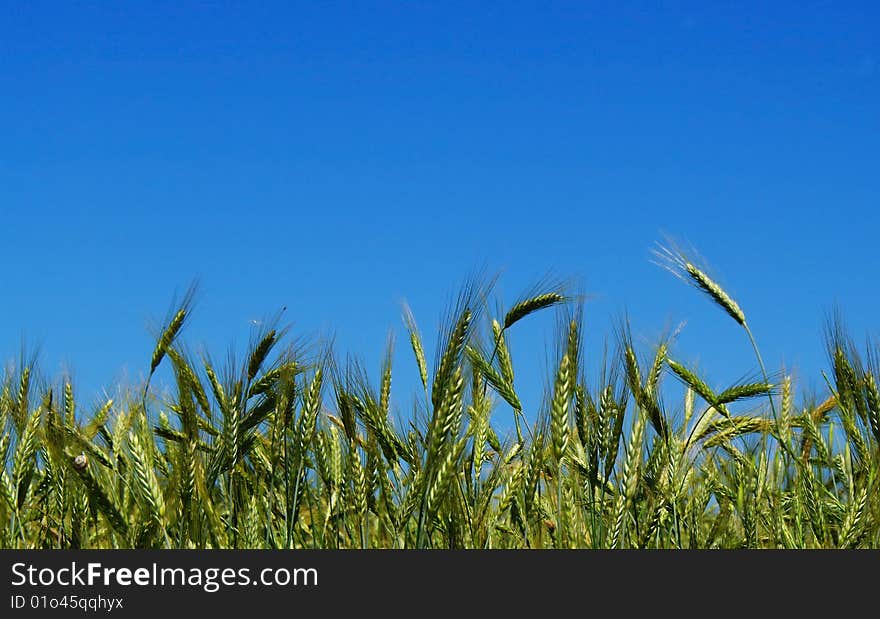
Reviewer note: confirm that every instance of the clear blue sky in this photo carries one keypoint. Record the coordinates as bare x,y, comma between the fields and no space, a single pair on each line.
338,159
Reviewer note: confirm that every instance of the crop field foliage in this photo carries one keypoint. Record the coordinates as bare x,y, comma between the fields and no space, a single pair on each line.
295,447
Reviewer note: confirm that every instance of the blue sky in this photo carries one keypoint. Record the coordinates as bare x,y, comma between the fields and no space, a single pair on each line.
338,159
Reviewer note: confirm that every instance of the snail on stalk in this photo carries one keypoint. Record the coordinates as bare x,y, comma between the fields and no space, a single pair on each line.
80,462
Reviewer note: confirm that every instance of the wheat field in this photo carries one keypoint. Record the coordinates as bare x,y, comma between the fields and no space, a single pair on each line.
298,448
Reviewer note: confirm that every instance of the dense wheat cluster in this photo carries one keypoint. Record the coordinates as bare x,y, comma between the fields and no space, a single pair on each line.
294,448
